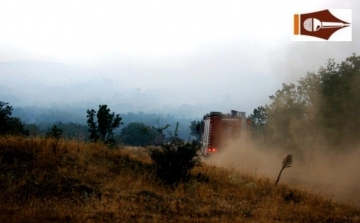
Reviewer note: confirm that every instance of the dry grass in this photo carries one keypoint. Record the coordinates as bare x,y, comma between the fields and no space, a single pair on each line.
45,180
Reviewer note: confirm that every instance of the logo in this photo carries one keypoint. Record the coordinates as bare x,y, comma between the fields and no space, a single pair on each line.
326,25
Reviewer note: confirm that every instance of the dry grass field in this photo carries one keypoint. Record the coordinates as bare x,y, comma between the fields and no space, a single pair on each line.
49,180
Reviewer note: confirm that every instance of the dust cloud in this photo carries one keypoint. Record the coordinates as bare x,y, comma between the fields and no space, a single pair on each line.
320,170
318,165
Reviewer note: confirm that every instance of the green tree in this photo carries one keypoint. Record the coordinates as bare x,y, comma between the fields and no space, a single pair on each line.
340,105
137,134
73,130
286,116
157,134
33,129
196,129
54,132
258,122
323,105
8,124
102,129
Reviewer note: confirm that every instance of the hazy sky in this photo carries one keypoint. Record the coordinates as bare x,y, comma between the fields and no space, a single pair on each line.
193,56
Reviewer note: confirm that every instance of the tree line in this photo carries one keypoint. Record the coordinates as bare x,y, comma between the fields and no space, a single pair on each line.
102,125
321,109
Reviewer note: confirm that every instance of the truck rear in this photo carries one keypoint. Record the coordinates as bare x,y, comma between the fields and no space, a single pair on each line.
218,130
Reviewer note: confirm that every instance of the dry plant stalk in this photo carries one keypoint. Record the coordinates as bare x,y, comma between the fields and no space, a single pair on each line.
287,162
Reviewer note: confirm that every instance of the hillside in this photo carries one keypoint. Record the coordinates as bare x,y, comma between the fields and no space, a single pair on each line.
45,180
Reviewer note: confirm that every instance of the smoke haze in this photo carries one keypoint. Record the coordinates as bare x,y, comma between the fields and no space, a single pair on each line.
319,169
186,59
202,57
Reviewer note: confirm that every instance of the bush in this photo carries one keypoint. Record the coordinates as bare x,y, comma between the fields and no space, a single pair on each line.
10,125
174,160
102,129
54,132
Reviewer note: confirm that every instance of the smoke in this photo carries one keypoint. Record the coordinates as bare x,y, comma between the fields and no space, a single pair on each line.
321,171
319,164
325,159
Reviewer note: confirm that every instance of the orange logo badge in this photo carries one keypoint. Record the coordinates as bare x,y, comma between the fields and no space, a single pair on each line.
322,24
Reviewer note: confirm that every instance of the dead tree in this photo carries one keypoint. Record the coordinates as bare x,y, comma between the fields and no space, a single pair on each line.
287,162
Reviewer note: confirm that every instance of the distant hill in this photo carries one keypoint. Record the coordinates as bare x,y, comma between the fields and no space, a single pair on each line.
48,85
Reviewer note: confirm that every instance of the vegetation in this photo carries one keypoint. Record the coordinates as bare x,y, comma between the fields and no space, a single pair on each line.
69,130
137,134
50,180
74,122
258,124
55,132
321,106
174,159
102,129
287,162
73,130
42,121
195,129
8,124
33,129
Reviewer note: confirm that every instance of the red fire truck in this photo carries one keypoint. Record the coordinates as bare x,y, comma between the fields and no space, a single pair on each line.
219,129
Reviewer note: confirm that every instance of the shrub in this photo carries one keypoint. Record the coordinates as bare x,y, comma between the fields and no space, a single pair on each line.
102,129
10,125
54,132
174,159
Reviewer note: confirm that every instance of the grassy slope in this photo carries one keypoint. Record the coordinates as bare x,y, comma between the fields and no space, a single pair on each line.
44,180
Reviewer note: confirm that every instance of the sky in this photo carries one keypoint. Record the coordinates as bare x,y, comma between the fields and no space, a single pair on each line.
181,57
